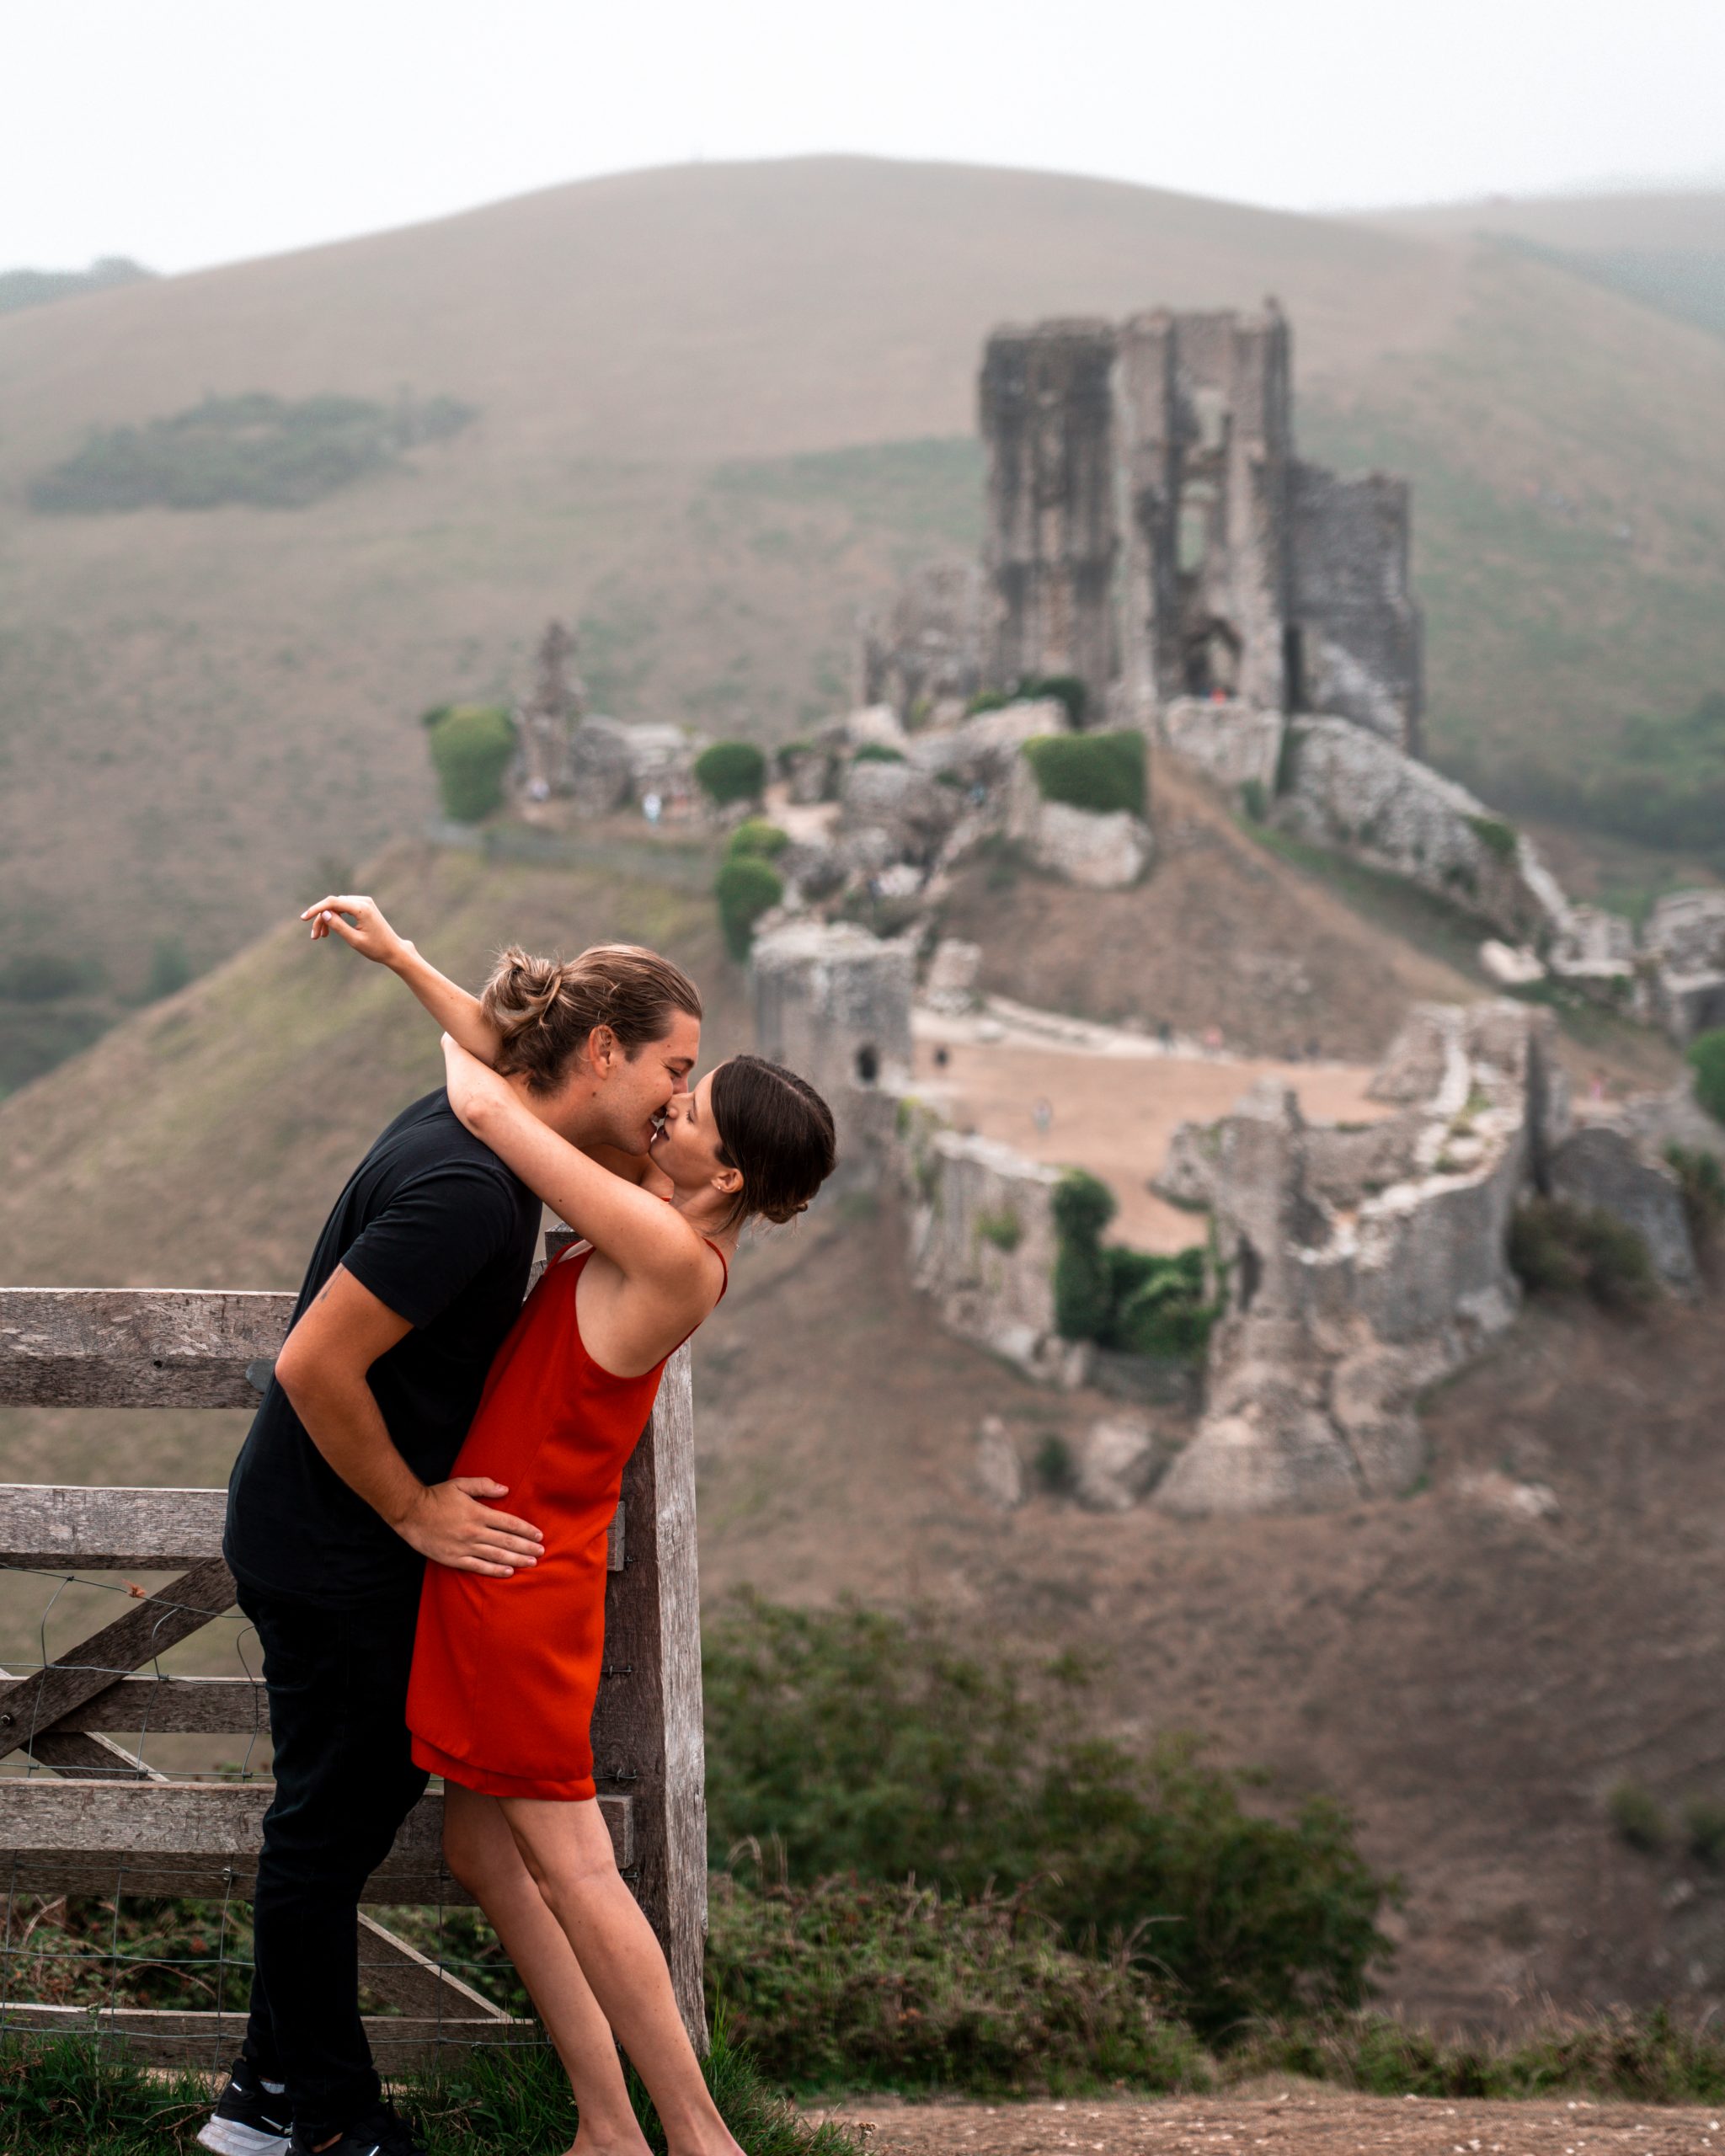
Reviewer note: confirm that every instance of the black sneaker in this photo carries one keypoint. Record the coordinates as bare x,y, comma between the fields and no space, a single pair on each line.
252,2117
381,2132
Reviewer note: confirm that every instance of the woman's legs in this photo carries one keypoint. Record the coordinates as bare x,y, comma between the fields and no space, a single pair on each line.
568,1850
482,1855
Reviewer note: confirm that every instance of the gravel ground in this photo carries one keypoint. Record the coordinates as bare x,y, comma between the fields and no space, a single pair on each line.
1306,2124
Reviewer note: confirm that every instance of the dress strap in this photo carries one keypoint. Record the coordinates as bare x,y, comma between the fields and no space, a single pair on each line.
724,1268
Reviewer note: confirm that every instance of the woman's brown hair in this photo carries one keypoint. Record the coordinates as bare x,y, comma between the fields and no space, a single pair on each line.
544,1008
775,1127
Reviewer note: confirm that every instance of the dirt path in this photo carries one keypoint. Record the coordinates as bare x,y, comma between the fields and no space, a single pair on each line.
1321,2123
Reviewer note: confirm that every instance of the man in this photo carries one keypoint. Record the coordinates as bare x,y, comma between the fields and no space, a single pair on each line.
341,1494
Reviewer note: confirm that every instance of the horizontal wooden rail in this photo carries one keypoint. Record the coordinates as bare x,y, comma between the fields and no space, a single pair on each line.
138,1347
160,2036
101,1528
202,1840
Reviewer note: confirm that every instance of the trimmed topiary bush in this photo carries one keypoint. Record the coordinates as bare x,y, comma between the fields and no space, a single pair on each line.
1102,772
1494,834
1707,1059
471,748
747,888
877,752
759,839
731,770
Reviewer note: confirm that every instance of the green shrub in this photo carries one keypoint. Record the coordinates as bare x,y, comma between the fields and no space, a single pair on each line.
758,838
1003,1228
1645,2057
1099,771
1082,1207
1707,1059
1081,1293
989,700
1636,1818
1704,1830
747,888
1064,688
47,977
472,745
1494,834
1558,1248
870,1743
731,770
1288,761
1702,1179
877,752
170,969
1052,1466
1254,801
256,449
852,1984
1157,1305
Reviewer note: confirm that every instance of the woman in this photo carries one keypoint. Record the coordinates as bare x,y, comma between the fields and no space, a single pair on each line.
505,1668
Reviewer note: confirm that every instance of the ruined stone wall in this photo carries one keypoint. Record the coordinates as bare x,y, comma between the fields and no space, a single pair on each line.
834,1003
928,644
1355,642
1047,418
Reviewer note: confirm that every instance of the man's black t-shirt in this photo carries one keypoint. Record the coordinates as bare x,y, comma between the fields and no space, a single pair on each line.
439,1230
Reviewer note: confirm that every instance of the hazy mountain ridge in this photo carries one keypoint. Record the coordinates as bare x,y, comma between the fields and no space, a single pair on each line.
711,404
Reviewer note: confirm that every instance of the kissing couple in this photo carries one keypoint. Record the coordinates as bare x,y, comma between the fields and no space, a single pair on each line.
411,1627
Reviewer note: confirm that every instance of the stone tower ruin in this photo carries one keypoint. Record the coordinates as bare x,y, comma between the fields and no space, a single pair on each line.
1150,530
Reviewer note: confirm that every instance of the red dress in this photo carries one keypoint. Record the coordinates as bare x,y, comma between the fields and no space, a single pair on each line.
506,1671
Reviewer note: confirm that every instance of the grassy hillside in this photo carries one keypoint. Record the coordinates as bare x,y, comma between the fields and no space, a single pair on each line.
718,408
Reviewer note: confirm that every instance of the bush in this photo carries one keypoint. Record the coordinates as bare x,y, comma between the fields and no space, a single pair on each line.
870,1743
1099,771
1494,834
1129,1301
1557,1248
757,839
877,752
47,977
1082,1207
1254,801
1031,688
1636,1818
255,449
851,1984
1052,1466
170,969
472,745
1702,1179
1003,1228
1707,1059
1704,1830
731,770
747,888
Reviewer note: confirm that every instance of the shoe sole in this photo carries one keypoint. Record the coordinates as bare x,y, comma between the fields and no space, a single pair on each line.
232,2137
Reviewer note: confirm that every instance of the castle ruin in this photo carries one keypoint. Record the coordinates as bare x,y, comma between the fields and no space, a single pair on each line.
1150,530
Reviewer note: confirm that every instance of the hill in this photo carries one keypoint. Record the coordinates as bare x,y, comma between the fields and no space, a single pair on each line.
1470,1676
718,408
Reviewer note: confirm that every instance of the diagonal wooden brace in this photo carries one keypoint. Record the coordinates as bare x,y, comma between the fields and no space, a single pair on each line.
29,1706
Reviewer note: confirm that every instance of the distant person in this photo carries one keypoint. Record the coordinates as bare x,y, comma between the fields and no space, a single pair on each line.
1042,1116
652,807
511,1621
943,1055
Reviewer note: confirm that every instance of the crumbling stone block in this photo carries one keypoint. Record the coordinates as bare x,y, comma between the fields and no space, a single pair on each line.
1601,1165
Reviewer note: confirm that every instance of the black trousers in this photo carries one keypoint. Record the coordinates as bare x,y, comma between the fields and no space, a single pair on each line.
344,1781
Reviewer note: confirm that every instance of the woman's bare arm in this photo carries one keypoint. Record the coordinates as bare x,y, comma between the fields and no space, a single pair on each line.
638,1232
361,926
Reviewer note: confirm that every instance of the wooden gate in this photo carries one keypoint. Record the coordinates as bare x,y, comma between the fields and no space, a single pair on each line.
81,1813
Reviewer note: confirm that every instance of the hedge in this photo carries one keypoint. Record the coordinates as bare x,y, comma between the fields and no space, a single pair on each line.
1102,772
471,748
731,770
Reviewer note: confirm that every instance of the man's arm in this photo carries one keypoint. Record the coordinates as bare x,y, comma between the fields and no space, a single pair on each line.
322,1369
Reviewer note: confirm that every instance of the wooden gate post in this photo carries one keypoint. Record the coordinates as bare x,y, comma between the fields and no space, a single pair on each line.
646,1736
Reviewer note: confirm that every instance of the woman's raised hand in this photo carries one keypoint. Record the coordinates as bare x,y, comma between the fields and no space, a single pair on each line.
358,922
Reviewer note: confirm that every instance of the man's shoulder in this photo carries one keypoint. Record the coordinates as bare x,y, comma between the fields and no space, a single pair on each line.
428,1137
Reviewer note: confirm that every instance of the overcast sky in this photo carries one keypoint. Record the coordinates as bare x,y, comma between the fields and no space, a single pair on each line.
191,131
